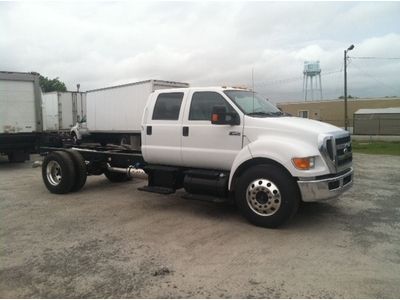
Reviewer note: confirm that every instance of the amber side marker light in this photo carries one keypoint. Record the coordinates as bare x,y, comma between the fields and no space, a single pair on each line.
303,163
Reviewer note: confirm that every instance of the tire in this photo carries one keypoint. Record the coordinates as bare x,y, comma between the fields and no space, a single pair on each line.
80,169
58,172
267,196
116,177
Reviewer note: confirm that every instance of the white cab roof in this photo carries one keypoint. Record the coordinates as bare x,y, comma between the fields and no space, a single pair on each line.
209,88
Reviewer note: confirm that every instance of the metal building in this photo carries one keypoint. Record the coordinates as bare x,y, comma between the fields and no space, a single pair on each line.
332,111
378,121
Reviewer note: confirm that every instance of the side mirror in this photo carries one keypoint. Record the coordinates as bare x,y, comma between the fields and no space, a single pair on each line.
219,116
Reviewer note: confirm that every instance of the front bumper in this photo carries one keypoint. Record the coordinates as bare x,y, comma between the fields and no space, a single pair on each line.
327,188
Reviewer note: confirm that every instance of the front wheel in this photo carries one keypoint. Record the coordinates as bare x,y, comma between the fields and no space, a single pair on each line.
267,196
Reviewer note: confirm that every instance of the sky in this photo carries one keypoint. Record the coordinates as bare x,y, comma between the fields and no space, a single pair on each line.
260,44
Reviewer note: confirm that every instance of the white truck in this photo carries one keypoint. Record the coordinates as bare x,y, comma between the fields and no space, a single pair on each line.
62,110
220,144
114,113
20,114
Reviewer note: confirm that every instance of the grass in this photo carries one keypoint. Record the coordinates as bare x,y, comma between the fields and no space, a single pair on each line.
375,147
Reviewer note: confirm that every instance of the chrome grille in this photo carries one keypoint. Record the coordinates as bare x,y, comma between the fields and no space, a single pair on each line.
344,154
337,151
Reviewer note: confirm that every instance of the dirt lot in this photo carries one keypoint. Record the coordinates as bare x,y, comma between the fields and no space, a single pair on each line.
110,240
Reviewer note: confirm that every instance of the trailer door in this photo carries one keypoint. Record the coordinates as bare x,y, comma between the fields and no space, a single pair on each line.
17,106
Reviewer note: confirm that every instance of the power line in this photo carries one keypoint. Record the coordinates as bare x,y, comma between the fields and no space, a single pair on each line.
374,78
293,79
374,57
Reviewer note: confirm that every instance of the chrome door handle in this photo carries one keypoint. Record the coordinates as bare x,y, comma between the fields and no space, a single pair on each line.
237,133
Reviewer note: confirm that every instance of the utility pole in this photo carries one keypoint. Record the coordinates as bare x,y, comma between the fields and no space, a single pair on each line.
345,86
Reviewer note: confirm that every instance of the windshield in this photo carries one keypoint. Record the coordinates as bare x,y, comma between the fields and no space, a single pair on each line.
253,104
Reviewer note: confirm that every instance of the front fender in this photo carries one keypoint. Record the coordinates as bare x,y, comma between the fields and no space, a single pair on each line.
281,150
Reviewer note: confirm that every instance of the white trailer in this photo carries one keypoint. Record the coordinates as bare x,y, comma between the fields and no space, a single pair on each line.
114,113
20,114
62,110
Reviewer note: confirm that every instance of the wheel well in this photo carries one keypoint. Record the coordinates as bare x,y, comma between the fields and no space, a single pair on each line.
253,162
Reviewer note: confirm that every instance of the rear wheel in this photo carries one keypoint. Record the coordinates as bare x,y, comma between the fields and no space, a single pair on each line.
267,196
58,172
116,177
80,169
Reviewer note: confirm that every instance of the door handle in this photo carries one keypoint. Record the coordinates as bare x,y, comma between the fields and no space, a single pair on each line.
149,130
185,131
237,133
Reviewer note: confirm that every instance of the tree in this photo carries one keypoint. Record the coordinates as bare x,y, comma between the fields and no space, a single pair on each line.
51,85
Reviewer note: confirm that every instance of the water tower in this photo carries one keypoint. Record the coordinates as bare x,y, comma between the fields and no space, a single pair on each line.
311,71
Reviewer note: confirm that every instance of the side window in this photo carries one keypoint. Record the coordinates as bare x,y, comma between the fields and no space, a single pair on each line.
202,104
167,106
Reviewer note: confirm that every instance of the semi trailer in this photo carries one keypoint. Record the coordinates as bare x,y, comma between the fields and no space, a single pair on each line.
114,113
219,144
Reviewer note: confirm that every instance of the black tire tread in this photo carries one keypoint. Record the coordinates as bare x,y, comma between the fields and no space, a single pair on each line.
80,169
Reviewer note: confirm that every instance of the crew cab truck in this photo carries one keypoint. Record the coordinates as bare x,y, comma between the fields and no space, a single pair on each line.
220,144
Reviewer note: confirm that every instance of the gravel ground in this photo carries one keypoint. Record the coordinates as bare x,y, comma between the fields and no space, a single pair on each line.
111,240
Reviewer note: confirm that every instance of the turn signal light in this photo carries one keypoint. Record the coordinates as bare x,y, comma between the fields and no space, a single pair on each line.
304,163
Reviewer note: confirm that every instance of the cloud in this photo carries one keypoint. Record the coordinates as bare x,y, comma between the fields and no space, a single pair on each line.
204,43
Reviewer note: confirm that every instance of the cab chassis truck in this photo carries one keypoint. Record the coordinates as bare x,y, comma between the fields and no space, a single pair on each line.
219,144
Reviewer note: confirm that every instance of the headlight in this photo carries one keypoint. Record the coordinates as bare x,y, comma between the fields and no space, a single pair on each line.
304,163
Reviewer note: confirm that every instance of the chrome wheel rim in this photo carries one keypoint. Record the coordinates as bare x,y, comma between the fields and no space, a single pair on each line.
53,172
263,197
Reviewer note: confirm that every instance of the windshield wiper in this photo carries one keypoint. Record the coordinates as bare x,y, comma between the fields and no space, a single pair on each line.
263,113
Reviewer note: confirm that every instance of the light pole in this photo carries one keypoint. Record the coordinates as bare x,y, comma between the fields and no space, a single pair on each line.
345,85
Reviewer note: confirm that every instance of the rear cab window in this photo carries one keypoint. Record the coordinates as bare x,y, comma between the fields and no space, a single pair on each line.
168,106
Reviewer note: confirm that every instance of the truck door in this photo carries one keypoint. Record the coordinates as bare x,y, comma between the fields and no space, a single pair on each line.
162,129
205,145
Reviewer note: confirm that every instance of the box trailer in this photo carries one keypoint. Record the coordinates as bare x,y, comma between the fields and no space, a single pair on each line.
62,110
20,114
114,113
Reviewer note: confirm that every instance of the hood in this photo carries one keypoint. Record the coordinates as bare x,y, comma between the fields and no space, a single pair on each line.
288,126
